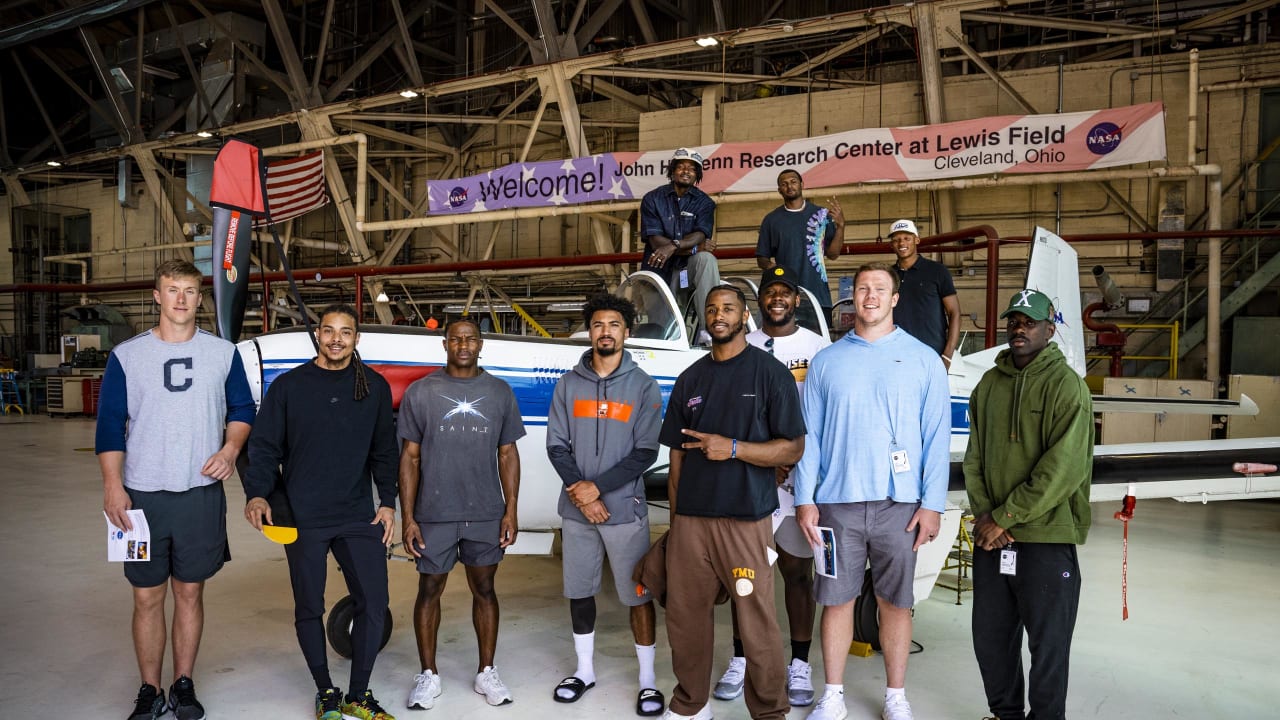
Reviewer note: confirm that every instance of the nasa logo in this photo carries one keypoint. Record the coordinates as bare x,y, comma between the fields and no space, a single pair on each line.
1103,138
457,196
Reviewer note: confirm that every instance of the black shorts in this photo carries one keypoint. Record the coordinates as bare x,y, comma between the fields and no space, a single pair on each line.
188,535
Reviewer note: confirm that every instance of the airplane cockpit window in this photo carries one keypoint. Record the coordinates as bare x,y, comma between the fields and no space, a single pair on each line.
656,317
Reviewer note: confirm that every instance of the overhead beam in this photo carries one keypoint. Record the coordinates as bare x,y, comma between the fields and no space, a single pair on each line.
397,136
506,20
1231,13
99,64
204,108
373,53
926,23
1101,28
283,35
847,46
642,19
88,101
595,22
248,53
35,96
410,56
314,90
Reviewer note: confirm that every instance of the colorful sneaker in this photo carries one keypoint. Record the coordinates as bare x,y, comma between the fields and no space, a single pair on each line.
730,685
365,707
799,683
183,702
329,704
489,685
150,703
897,708
426,688
830,707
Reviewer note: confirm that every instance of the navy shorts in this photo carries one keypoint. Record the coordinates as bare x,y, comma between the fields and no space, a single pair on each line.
188,535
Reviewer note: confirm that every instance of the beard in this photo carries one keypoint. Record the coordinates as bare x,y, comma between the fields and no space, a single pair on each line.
606,352
736,330
786,319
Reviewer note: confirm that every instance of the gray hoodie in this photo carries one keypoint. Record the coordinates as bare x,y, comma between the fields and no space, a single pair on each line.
605,430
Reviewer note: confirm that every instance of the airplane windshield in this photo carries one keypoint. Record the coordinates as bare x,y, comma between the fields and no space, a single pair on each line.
655,314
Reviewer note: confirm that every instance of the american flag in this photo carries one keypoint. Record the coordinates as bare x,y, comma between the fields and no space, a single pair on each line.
294,187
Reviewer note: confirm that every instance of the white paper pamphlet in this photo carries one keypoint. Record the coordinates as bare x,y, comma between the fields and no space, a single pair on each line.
824,558
129,545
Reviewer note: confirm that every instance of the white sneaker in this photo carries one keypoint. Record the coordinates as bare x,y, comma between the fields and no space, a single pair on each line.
799,683
830,707
703,714
897,708
426,688
489,685
730,685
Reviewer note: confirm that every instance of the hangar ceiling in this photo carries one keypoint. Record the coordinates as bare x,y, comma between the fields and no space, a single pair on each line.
81,77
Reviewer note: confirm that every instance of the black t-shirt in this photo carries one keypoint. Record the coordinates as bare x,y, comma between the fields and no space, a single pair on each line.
919,310
751,397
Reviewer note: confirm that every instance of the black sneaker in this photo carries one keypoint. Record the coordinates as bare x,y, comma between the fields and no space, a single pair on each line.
183,702
150,703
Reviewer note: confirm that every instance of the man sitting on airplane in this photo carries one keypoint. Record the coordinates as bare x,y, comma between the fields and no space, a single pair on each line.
1027,470
602,434
459,478
676,222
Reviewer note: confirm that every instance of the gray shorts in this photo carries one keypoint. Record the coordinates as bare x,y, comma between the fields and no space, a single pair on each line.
869,530
584,546
477,544
188,535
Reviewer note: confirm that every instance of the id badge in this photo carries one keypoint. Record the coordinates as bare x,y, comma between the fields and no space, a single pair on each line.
684,279
1008,561
901,463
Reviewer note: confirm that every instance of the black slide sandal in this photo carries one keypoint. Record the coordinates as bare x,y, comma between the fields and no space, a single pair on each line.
649,695
574,685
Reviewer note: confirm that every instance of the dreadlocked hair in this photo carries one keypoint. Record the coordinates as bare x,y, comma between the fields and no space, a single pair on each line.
362,380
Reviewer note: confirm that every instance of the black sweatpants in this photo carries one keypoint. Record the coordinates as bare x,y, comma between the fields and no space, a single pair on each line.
1042,599
358,548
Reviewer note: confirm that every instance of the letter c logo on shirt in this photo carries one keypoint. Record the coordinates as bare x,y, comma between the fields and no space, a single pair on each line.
169,380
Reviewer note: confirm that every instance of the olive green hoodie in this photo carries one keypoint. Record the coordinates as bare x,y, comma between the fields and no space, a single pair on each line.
1030,456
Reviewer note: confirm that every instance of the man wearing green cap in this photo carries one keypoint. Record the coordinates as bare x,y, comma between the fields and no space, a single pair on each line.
1027,471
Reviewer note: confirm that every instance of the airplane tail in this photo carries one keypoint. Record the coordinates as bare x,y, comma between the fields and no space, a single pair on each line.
1054,271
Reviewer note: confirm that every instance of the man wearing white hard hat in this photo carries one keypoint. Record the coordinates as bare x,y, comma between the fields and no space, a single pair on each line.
928,307
676,222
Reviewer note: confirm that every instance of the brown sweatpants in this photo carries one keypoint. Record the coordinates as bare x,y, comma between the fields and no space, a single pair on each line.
703,554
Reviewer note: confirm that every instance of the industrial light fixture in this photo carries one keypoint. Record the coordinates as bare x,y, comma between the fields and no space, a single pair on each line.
53,163
382,297
408,94
565,307
707,42
204,134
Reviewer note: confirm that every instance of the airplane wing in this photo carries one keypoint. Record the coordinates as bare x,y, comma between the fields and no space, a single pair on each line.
1174,406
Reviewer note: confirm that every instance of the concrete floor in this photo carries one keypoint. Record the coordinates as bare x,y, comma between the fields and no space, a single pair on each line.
1200,641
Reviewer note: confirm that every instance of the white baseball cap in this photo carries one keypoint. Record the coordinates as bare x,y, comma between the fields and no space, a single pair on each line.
903,226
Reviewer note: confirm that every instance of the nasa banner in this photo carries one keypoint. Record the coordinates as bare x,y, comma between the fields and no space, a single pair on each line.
1061,142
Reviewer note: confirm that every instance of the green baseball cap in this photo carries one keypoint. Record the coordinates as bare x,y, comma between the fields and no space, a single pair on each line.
1032,303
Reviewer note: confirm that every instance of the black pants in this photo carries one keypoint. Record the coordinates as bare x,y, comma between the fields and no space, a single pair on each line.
1042,599
358,548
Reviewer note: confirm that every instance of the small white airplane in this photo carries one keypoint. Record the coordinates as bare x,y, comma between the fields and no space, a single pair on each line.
660,344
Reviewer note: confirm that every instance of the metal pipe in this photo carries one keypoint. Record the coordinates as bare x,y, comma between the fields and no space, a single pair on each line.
122,251
359,296
1193,99
1270,81
1213,321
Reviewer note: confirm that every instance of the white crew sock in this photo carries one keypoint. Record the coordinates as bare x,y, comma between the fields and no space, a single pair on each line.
890,693
585,647
833,690
645,654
